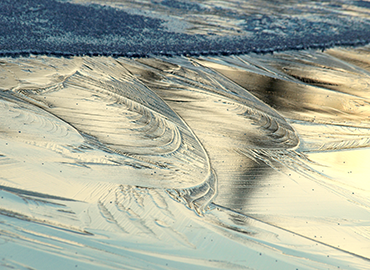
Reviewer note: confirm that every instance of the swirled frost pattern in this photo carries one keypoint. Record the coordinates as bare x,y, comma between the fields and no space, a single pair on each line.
246,161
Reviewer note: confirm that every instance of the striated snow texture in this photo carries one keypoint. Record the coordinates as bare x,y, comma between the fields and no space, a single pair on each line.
225,162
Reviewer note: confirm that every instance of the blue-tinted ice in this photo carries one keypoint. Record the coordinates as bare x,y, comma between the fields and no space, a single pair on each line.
209,159
208,162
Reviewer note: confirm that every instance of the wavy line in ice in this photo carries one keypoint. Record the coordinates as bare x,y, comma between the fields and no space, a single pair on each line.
33,125
231,104
339,110
122,116
170,240
119,123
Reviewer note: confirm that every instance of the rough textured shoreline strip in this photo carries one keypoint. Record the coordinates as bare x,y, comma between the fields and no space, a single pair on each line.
49,27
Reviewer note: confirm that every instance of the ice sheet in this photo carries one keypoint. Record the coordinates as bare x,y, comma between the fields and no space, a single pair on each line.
231,162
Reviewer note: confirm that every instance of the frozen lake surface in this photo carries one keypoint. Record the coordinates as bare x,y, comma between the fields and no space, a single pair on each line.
184,159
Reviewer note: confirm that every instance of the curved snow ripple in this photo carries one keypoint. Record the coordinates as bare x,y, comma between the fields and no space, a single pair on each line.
117,121
29,123
118,115
233,111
